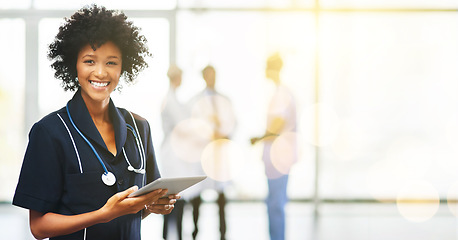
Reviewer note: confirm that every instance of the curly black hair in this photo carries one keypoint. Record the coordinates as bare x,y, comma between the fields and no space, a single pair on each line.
95,26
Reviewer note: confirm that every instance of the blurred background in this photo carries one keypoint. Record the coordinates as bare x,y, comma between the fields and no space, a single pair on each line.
376,87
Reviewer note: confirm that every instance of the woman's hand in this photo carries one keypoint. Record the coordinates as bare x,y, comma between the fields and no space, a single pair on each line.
120,204
163,205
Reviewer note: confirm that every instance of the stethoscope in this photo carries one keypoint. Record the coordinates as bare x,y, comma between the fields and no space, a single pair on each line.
108,177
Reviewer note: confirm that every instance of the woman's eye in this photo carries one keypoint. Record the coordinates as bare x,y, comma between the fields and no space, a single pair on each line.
89,61
112,63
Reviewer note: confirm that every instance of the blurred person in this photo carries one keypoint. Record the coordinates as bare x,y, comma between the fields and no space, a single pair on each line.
216,111
281,119
173,112
84,160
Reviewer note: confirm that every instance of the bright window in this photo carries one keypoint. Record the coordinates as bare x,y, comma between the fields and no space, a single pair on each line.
12,96
391,81
48,103
19,4
132,4
246,4
434,4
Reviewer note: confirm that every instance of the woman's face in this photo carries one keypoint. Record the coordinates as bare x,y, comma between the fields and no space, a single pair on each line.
99,71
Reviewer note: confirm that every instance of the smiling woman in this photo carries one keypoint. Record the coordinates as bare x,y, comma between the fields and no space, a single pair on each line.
66,190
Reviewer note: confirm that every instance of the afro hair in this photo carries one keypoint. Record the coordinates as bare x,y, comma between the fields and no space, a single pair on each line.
95,26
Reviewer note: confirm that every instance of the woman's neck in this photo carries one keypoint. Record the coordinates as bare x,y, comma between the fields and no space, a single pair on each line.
98,111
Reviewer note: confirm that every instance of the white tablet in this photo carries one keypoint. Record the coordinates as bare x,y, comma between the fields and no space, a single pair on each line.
174,185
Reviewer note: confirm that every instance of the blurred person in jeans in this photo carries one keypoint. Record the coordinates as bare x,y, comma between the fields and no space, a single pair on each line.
279,152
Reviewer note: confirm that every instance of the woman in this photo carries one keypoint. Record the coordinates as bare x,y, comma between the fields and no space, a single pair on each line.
84,160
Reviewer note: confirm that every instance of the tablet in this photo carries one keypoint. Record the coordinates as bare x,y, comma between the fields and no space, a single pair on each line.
174,185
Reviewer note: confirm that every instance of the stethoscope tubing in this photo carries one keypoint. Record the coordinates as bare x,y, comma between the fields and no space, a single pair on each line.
87,141
138,141
141,150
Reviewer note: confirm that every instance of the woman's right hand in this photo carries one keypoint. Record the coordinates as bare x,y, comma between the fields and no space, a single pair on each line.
120,204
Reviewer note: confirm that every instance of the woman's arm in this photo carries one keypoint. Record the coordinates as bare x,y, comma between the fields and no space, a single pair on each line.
45,225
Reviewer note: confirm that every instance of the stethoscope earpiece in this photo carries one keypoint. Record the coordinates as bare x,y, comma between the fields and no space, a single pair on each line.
132,169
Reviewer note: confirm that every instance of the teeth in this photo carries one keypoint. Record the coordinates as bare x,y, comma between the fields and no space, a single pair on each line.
99,84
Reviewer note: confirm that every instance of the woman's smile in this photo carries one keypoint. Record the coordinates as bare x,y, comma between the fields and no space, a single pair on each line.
99,84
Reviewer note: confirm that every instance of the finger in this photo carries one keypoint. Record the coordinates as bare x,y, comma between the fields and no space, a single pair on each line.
163,209
168,209
164,192
158,209
158,193
127,192
165,201
174,196
153,197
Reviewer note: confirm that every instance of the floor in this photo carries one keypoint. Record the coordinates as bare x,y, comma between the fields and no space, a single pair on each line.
248,220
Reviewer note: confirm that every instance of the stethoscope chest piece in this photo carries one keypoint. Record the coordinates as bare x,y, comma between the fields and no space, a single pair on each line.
108,178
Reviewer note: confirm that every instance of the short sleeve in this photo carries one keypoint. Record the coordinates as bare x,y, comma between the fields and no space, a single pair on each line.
41,179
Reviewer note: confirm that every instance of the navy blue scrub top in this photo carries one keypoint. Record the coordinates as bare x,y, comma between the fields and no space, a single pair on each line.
51,178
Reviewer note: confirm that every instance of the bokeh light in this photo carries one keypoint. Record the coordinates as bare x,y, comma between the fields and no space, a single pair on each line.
418,201
284,152
222,160
189,137
408,159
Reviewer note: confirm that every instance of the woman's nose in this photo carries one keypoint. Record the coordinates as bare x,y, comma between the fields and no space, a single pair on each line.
100,71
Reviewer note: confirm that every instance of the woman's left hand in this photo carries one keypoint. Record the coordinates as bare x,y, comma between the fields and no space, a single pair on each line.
162,205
